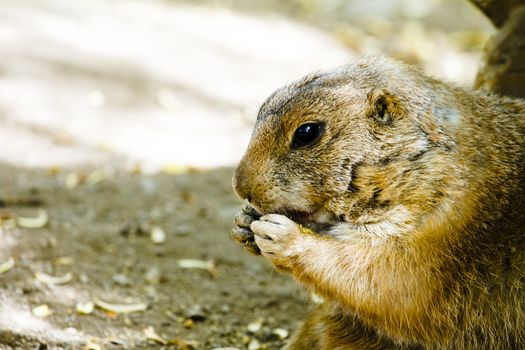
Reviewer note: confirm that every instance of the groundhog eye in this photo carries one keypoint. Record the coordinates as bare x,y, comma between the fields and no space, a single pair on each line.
307,134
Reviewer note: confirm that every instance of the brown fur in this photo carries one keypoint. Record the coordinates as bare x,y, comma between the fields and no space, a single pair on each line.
423,211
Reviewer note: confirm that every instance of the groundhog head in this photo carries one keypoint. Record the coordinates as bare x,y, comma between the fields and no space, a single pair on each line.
337,141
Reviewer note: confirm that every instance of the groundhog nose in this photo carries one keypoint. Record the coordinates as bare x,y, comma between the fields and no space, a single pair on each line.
240,185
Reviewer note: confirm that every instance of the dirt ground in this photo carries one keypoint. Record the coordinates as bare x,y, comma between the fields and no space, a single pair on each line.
100,232
107,107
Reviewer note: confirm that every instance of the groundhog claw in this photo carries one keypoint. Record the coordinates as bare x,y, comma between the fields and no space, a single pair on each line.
241,234
243,220
248,209
252,247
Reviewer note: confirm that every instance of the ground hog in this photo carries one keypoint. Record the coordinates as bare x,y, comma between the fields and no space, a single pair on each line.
398,198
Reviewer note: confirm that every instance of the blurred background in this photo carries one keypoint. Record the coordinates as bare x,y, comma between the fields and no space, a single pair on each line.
160,84
120,122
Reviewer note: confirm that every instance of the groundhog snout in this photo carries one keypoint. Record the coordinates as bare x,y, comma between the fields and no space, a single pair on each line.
241,185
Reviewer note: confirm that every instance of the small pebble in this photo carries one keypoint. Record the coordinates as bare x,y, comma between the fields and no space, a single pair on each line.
158,236
196,313
41,311
245,340
281,333
71,330
182,230
255,326
85,308
121,279
153,275
254,345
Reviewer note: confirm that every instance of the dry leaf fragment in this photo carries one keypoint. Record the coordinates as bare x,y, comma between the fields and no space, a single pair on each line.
111,314
64,260
208,265
47,279
152,335
195,264
184,344
120,308
92,345
116,340
188,323
41,311
33,222
158,236
7,219
85,308
7,265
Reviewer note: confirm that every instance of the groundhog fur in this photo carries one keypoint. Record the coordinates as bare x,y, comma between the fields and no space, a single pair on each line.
404,208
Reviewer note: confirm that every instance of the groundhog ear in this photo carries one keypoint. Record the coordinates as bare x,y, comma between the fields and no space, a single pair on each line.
382,106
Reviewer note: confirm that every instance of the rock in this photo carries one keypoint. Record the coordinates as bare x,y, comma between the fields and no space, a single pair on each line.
254,345
196,313
121,279
255,326
281,333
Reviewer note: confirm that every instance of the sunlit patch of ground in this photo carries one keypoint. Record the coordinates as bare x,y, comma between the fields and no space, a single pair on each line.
18,323
160,83
142,81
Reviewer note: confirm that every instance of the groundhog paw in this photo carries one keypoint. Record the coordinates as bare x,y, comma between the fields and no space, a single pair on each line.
276,237
241,232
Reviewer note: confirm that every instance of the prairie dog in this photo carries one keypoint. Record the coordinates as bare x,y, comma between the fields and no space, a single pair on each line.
397,197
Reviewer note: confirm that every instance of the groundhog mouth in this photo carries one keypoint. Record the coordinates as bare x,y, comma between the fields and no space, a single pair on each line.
309,220
300,217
